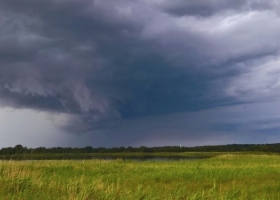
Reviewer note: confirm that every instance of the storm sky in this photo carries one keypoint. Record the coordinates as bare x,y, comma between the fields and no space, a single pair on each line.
142,72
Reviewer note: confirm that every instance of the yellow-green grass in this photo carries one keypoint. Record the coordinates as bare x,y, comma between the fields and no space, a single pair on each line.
231,176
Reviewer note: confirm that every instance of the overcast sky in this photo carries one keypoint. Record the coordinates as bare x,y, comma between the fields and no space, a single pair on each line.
142,72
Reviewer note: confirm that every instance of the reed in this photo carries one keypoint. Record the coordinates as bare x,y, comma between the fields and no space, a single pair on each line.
228,176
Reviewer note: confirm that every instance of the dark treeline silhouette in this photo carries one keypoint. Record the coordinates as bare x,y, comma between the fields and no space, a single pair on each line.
19,149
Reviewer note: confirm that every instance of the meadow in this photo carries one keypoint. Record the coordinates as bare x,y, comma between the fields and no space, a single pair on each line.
225,176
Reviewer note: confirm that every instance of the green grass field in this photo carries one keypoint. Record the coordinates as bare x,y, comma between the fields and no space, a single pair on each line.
228,176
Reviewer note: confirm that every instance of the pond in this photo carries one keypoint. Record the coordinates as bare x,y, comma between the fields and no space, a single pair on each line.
147,158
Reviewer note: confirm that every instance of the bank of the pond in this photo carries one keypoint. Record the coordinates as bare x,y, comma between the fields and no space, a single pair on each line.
123,156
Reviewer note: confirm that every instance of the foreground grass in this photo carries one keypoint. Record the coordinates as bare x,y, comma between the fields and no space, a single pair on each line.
229,176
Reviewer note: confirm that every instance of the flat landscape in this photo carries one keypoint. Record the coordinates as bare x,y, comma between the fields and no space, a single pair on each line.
224,176
139,100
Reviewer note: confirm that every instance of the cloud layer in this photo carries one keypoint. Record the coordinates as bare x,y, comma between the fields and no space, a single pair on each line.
103,62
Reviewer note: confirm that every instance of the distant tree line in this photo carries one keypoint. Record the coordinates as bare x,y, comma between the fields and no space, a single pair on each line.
19,149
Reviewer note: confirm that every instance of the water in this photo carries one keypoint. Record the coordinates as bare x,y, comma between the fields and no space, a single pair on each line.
146,158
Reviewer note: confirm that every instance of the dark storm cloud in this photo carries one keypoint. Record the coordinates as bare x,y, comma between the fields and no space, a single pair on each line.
103,61
47,60
207,8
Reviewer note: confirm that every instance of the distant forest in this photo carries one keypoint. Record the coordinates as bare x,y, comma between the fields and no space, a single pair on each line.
19,149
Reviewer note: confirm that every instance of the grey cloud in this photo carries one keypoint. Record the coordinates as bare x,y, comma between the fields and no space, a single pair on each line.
256,118
100,62
260,81
64,73
206,8
268,126
215,40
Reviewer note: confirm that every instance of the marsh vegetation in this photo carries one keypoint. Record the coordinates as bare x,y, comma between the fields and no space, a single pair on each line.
225,176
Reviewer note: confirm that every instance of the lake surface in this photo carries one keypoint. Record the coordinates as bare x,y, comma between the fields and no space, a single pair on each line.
147,158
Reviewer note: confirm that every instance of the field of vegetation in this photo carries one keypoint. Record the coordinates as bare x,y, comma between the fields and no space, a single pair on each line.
120,155
226,176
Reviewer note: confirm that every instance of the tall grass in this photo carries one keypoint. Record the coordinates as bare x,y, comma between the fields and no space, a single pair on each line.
222,177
